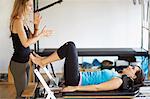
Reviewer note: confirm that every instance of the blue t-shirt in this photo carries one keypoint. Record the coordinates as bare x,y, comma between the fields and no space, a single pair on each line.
97,77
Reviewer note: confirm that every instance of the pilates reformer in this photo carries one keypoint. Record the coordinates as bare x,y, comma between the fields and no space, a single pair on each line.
78,94
114,93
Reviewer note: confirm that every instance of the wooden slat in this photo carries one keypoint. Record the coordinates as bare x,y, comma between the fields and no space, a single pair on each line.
31,78
10,77
29,90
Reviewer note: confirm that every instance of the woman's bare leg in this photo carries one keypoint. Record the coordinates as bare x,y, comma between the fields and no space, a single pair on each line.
44,61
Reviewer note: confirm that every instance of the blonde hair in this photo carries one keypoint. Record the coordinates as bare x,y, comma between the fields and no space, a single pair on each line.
19,9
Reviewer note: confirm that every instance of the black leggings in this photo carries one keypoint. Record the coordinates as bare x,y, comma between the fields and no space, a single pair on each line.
71,66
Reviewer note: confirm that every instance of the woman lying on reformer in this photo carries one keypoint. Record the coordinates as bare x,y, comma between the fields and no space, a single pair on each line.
102,80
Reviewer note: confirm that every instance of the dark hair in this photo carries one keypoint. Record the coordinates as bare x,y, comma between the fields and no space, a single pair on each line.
107,63
139,76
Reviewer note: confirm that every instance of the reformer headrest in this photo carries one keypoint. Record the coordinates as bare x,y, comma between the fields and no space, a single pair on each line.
128,84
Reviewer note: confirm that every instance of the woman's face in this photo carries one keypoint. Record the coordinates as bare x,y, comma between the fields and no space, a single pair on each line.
29,6
130,71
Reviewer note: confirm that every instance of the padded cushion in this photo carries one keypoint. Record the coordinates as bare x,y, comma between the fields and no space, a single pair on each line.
102,93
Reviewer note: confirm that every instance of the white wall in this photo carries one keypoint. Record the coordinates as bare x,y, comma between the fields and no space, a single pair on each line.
5,41
89,23
93,23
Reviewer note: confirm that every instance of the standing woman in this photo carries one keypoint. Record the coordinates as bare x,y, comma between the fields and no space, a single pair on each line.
22,38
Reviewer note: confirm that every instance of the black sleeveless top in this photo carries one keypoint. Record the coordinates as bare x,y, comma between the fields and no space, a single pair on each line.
21,54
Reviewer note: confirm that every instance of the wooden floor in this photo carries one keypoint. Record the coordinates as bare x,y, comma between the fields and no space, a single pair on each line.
7,90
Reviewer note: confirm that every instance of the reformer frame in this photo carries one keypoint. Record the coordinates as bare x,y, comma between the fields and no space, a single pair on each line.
47,88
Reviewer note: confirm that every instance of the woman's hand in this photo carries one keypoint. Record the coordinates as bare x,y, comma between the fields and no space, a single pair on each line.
70,89
37,19
45,32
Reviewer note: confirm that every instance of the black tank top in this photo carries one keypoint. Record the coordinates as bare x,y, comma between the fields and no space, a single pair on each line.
21,54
